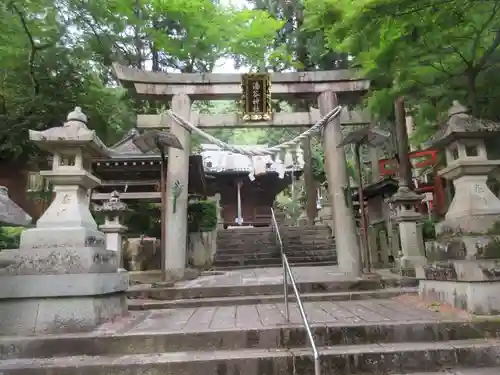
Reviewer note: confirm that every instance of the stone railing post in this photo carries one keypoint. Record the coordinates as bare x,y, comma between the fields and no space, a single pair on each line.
62,278
114,210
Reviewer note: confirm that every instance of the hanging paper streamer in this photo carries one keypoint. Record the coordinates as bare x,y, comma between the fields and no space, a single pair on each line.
259,165
288,159
300,156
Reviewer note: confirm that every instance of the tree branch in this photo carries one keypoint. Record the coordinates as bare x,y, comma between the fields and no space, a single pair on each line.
479,34
34,49
487,54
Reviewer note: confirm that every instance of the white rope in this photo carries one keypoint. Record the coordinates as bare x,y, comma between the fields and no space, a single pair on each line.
263,151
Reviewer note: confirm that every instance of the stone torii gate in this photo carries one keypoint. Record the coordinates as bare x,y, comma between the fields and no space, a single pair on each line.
329,88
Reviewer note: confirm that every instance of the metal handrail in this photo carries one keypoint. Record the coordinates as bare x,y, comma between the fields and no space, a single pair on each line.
287,274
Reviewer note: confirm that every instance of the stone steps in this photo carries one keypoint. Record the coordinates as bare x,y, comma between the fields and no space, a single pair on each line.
271,249
266,254
272,261
401,357
194,292
240,247
138,304
293,336
296,264
232,258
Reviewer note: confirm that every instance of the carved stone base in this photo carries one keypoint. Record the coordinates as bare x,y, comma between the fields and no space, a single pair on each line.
52,261
476,224
472,285
463,246
62,238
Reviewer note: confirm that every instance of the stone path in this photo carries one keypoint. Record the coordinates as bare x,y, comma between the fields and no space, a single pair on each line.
267,276
216,318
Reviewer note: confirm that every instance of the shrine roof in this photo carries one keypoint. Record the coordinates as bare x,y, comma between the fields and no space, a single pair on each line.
384,187
126,148
216,160
461,125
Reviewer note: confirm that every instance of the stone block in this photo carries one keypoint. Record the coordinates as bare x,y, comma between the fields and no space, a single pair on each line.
451,246
141,254
33,304
58,315
62,238
201,249
476,298
473,224
62,285
472,285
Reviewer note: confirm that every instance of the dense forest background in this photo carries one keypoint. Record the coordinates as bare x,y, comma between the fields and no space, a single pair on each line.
56,54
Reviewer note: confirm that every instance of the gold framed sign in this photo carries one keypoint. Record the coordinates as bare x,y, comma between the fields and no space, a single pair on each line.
256,97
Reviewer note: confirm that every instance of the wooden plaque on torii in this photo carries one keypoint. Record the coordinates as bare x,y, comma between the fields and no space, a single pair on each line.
256,97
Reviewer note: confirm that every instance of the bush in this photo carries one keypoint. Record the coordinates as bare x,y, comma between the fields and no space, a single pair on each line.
428,229
202,216
9,237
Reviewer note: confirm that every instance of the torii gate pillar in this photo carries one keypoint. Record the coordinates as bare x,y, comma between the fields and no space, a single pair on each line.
177,193
348,255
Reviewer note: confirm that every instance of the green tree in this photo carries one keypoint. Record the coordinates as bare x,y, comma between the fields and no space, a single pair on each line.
430,52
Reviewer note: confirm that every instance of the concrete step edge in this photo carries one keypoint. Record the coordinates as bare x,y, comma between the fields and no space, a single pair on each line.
410,354
134,304
275,260
289,337
223,268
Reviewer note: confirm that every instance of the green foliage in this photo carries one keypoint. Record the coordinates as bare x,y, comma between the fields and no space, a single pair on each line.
144,218
55,55
430,52
9,237
202,216
428,229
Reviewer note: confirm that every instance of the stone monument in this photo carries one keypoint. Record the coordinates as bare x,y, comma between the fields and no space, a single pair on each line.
62,278
113,211
466,273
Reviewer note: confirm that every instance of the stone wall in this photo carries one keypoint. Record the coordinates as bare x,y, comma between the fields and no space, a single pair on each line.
142,255
201,249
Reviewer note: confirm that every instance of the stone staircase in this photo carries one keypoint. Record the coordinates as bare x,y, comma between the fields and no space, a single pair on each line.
256,247
374,331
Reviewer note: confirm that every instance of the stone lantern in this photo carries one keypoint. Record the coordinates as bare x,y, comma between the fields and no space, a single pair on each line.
113,210
465,273
63,279
405,214
474,209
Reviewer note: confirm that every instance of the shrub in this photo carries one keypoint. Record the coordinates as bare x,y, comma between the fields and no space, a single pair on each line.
9,237
202,216
428,230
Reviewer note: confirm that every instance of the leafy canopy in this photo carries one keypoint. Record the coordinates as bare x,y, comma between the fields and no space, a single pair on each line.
429,51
